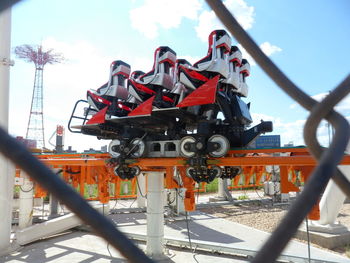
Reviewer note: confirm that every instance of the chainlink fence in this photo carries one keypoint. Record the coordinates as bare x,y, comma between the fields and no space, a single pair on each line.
328,158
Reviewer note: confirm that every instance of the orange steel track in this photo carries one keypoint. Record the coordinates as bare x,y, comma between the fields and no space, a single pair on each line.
92,169
100,159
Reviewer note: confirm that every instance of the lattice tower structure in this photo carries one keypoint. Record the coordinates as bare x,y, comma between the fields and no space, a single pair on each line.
40,57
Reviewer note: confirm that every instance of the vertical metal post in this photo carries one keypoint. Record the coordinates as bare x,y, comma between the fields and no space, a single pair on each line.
221,190
25,217
59,149
141,190
54,202
6,168
333,198
155,215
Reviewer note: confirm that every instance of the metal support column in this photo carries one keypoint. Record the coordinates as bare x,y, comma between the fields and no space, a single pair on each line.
25,217
333,198
155,215
221,190
6,168
141,190
54,202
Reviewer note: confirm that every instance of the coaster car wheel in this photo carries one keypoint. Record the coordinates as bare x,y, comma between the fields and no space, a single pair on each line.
216,171
190,172
114,148
138,147
135,170
223,145
230,172
126,173
184,146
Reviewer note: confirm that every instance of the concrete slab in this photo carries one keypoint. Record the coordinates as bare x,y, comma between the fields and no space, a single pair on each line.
326,240
85,247
224,233
65,248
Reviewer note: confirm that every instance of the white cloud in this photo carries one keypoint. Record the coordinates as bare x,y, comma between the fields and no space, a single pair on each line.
269,49
343,106
319,96
293,106
266,47
209,22
155,14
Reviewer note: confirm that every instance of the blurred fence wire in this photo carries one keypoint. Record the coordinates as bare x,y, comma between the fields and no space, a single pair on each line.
328,159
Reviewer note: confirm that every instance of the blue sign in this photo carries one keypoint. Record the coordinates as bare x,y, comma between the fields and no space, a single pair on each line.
266,141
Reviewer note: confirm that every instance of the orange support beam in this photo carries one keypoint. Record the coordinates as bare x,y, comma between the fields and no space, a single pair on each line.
82,178
170,183
286,185
81,169
306,172
189,202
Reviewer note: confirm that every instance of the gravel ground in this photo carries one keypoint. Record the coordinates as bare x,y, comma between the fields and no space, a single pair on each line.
265,216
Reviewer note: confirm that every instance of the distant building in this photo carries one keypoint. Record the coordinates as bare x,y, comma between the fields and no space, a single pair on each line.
69,150
92,150
266,142
290,144
104,148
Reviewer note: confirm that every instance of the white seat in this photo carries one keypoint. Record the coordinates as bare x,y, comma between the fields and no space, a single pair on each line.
244,72
234,63
162,73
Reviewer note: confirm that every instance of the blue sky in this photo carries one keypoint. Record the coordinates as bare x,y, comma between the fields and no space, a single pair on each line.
309,40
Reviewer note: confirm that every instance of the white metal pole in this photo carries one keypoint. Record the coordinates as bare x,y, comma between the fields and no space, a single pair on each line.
221,191
155,215
6,168
53,200
25,216
333,198
141,190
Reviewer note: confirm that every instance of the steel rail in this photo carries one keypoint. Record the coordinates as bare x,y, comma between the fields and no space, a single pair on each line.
309,160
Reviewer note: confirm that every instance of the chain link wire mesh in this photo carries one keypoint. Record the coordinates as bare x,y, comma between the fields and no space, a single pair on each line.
328,159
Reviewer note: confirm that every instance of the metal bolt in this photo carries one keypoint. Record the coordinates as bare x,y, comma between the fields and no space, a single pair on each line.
199,145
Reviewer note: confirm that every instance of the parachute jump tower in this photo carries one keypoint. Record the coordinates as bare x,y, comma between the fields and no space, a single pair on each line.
40,57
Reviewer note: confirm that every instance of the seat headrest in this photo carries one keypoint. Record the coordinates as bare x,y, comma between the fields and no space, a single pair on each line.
235,55
163,49
234,49
137,73
182,61
220,33
117,63
245,67
165,54
244,62
221,38
120,67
